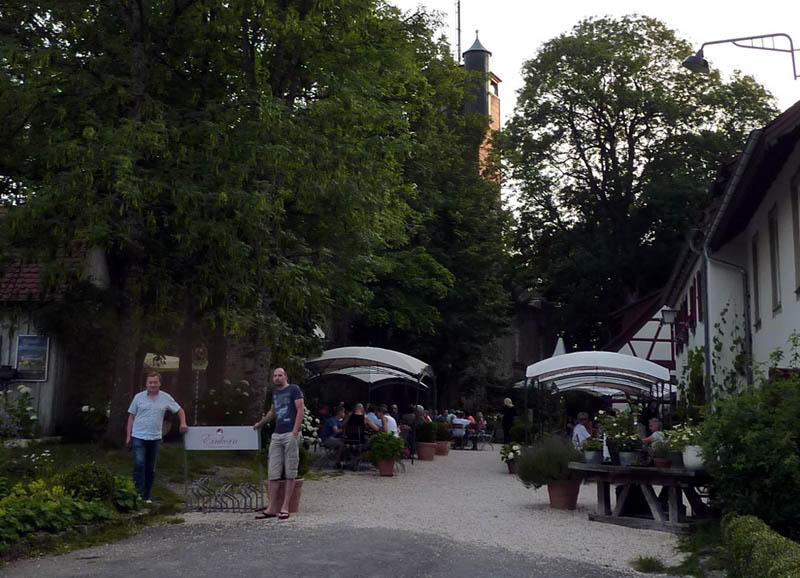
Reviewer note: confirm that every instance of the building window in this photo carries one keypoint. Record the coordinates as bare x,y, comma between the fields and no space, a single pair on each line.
756,296
794,193
774,258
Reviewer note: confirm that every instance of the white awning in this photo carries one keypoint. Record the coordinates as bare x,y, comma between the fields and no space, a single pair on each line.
373,375
353,357
598,369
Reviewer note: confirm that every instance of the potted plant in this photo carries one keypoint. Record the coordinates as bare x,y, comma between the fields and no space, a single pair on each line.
302,469
676,445
443,437
629,449
547,462
692,453
661,451
593,451
384,450
426,441
623,438
509,454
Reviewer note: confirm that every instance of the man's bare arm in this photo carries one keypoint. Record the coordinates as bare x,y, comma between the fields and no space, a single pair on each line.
300,405
267,417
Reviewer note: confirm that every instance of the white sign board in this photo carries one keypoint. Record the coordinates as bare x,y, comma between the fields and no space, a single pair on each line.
222,438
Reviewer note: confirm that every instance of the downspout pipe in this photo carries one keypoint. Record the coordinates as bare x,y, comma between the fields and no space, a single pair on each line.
707,260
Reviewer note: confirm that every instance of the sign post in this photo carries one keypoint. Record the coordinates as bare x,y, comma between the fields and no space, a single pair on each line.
201,494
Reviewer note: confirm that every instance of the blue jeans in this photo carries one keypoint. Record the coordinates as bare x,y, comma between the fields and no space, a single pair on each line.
145,453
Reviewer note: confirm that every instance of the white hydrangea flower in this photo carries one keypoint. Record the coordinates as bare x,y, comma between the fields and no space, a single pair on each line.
85,409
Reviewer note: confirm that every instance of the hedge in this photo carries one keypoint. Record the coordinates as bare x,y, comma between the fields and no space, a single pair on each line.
754,549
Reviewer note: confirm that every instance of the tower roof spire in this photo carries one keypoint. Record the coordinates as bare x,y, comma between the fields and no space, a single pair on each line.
477,46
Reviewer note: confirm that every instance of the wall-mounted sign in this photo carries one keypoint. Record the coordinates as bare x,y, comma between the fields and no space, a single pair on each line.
222,438
32,354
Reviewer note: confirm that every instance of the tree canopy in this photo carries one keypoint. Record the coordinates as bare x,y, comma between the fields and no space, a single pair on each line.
611,150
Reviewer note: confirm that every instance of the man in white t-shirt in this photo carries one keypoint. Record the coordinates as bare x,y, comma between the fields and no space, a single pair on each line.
389,423
580,434
145,419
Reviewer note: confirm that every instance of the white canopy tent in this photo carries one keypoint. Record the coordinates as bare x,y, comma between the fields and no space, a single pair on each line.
372,365
593,369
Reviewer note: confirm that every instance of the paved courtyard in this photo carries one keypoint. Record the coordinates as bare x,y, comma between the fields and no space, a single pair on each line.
459,515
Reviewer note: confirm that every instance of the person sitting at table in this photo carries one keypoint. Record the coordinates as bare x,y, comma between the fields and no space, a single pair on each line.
331,435
579,433
459,430
376,421
389,424
658,436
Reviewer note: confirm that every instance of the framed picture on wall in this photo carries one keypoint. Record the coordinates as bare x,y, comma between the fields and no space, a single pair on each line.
32,357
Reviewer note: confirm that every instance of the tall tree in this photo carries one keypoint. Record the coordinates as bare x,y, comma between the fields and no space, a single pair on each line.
441,296
612,147
236,161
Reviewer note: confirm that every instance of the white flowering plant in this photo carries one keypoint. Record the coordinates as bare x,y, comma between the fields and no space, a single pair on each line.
510,452
19,415
620,430
310,428
683,435
229,404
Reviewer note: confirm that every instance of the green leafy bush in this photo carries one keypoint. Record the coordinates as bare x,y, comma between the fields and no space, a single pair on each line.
517,433
125,497
752,449
89,482
385,446
592,445
443,432
756,550
426,432
35,507
304,463
547,461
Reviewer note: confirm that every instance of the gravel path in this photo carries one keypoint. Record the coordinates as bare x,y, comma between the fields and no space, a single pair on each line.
460,514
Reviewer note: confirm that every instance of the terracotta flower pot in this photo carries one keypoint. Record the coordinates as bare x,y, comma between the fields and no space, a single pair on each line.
564,494
512,466
442,448
294,503
386,467
426,451
663,462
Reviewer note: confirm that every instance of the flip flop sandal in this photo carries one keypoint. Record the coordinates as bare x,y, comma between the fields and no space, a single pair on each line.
264,516
283,516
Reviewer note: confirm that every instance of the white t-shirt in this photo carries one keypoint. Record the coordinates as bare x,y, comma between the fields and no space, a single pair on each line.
149,414
579,435
391,425
460,421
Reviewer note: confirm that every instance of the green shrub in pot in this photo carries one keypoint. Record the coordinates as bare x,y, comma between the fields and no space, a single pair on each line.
443,432
548,461
426,433
385,446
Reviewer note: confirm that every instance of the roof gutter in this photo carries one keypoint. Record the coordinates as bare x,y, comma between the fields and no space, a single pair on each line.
747,154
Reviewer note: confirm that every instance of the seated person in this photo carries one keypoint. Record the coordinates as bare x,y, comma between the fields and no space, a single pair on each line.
459,431
371,417
388,422
580,433
331,434
657,436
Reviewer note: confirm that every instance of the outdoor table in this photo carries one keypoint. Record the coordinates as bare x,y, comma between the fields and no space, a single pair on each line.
676,482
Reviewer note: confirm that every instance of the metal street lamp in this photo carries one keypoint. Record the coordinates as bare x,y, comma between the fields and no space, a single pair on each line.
697,62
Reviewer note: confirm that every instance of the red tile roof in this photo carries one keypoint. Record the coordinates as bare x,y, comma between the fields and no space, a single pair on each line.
20,282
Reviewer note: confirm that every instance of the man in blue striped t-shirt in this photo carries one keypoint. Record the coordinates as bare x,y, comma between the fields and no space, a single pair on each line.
145,419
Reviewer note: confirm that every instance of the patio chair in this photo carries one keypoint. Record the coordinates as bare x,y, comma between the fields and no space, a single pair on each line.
355,446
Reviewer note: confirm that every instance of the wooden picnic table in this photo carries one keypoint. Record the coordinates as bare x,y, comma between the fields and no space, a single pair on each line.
665,512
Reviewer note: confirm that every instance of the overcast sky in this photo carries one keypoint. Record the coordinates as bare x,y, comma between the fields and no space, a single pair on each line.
514,29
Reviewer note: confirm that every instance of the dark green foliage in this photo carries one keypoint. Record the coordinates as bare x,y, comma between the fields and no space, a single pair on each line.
89,482
648,565
125,497
443,432
426,432
385,446
753,549
304,465
614,147
36,507
547,461
752,449
518,431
